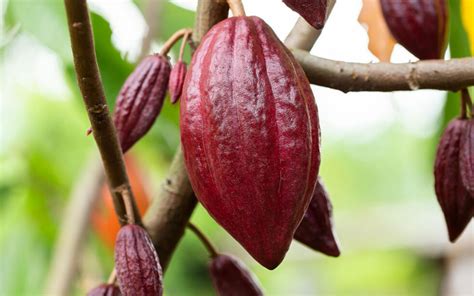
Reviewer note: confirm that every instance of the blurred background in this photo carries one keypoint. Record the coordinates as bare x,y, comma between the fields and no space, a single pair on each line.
377,159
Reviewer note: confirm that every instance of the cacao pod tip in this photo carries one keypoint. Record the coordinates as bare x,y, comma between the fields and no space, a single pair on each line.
316,228
230,277
105,290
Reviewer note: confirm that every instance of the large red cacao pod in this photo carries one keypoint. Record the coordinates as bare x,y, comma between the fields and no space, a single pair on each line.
467,157
136,262
175,86
313,11
105,290
316,229
140,99
421,26
455,200
231,278
250,135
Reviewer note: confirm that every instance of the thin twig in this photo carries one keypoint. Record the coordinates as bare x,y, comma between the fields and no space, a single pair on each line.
128,207
204,239
90,84
172,40
183,45
453,75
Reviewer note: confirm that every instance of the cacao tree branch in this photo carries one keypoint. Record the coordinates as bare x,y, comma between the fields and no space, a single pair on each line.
453,75
90,84
170,210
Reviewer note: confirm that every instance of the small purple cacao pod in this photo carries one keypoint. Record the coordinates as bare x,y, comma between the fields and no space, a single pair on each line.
316,228
421,26
231,278
140,99
138,268
105,290
466,164
313,11
455,200
175,86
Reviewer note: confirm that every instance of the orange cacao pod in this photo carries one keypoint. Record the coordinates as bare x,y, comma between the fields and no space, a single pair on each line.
231,278
455,201
316,229
136,262
140,99
250,135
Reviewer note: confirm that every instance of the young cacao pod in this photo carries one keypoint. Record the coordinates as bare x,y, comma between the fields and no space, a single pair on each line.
421,26
467,157
316,229
140,99
250,135
313,11
455,200
136,262
231,278
178,73
105,290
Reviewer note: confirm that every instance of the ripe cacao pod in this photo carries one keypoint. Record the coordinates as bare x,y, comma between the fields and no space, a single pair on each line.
250,135
313,11
178,73
467,157
316,229
455,201
231,278
421,26
140,99
105,290
136,262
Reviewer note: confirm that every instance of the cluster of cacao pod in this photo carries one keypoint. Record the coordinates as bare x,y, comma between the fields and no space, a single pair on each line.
454,172
421,26
141,97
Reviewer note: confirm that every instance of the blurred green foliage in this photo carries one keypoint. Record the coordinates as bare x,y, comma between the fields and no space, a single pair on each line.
48,150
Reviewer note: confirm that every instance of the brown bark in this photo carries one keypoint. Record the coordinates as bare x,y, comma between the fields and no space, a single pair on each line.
454,74
90,84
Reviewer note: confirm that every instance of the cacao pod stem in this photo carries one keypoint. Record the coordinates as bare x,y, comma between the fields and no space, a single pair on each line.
173,39
203,238
236,7
466,103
